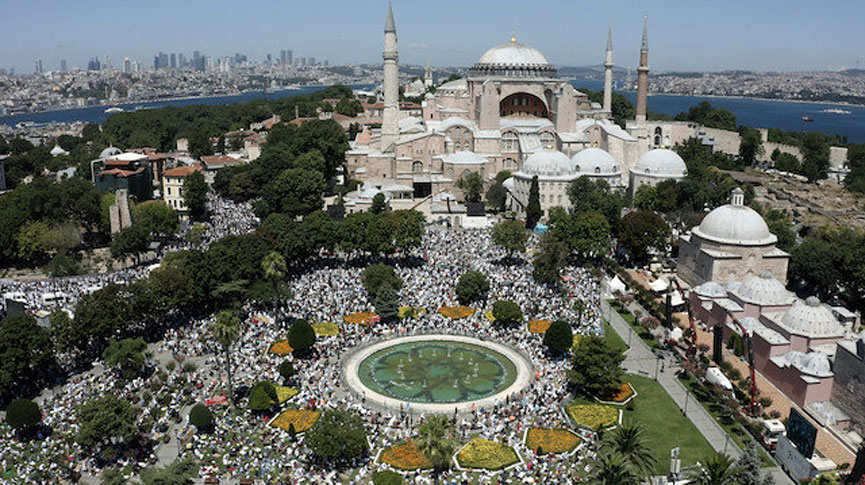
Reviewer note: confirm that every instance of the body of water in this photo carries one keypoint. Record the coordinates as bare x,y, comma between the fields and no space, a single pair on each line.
757,113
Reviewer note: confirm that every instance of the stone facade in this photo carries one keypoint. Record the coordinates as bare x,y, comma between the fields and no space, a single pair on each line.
849,390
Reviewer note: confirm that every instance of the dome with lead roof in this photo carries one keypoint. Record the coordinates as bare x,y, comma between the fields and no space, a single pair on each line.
735,223
812,319
595,161
548,163
513,59
661,162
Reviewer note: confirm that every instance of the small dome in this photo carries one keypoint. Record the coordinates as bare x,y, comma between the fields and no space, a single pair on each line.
58,150
763,290
110,152
812,363
810,318
711,289
735,223
661,162
549,163
749,323
594,161
508,183
513,54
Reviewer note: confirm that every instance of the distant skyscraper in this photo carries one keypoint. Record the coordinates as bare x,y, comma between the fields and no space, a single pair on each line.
173,60
62,65
269,60
94,64
289,58
127,65
310,61
325,63
38,66
197,61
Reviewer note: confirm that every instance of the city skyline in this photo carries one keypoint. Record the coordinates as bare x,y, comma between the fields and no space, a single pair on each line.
769,36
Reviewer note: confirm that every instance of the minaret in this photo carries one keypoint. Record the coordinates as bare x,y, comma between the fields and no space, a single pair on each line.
608,73
427,76
643,75
390,118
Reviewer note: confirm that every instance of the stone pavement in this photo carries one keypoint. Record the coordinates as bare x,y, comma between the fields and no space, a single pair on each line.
641,360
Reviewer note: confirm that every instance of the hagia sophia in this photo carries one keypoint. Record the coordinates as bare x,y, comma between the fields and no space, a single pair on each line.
512,113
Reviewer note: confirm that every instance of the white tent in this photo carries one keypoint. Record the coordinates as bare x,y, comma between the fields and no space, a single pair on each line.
676,299
617,285
660,285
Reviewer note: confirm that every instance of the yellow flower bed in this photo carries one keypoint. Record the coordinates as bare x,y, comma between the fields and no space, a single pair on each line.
539,326
622,393
456,312
280,348
284,393
326,329
593,416
302,419
411,312
405,456
489,316
481,453
551,440
360,318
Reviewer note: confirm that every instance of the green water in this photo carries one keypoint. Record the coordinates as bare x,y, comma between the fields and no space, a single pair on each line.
437,371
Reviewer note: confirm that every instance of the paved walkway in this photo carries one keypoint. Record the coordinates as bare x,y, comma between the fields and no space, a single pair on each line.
641,360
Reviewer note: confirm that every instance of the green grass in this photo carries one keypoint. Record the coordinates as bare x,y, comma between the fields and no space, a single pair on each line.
612,338
626,315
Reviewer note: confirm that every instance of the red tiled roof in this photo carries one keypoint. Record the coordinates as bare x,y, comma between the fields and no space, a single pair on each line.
219,160
121,173
182,171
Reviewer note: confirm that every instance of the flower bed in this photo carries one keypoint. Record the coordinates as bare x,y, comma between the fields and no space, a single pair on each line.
622,394
593,416
284,393
280,348
360,318
302,419
456,312
551,440
489,316
539,326
405,456
411,312
486,454
326,329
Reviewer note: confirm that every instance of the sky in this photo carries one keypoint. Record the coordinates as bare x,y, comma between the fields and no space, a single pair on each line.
698,35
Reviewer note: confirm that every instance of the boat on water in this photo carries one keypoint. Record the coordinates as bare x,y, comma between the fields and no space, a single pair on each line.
113,109
837,111
807,118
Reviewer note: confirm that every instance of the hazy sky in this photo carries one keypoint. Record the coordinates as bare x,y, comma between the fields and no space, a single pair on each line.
683,34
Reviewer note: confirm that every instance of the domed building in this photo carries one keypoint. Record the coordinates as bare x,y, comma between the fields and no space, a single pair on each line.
554,170
732,243
598,164
656,166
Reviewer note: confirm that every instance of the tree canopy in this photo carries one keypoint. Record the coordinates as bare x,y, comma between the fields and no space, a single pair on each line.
595,367
337,435
104,418
471,286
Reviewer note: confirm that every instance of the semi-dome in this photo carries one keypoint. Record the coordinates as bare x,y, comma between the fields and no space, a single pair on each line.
548,163
763,289
110,152
661,162
735,223
595,161
812,319
513,59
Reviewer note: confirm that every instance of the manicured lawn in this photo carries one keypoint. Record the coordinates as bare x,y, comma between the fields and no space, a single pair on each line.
612,338
623,312
666,426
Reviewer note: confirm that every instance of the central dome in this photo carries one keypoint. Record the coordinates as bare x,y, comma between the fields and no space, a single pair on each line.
548,163
513,59
736,223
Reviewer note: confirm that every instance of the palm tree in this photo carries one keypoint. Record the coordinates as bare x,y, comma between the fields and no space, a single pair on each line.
611,469
274,269
629,441
436,439
225,330
718,470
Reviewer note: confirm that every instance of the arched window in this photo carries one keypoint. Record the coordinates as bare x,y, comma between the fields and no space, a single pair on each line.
510,164
450,172
597,169
509,142
548,140
417,167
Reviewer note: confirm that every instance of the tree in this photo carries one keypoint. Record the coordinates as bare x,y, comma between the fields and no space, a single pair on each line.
642,231
337,435
295,192
611,469
815,156
436,439
126,355
387,304
645,197
705,114
533,209
178,472
510,236
26,355
101,420
497,196
195,195
378,203
312,160
273,267
748,468
225,330
200,145
588,195
587,234
751,145
786,162
595,367
629,442
387,477
301,336
202,418
286,370
559,337
717,470
549,260
507,312
23,415
472,285
377,277
160,220
262,397
471,184
130,241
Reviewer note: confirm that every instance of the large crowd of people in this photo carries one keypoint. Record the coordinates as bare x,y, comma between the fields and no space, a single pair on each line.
325,289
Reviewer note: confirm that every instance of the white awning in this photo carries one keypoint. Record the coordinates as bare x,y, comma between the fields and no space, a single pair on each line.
616,284
659,285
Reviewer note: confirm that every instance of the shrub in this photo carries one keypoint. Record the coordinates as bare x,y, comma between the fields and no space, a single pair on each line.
201,417
286,370
472,285
387,477
23,415
338,435
559,337
301,336
376,277
262,397
507,313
